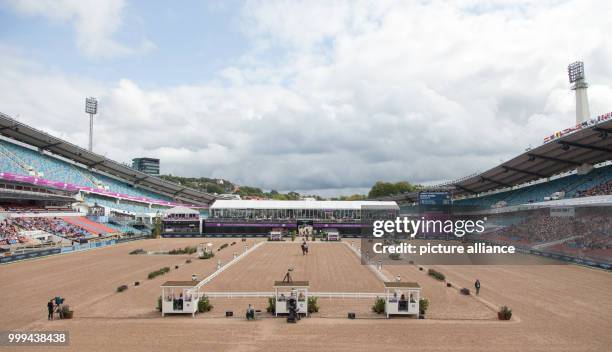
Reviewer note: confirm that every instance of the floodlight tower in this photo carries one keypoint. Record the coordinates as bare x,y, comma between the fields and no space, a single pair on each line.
575,72
91,107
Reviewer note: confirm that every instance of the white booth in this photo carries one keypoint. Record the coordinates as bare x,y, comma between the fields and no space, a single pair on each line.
180,297
402,298
333,234
284,290
277,234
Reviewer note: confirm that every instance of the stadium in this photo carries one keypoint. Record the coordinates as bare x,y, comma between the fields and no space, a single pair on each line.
99,255
70,212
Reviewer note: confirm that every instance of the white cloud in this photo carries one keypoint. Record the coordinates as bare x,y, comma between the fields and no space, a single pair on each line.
363,92
95,23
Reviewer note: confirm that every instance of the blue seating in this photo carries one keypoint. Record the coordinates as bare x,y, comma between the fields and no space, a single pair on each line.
572,185
22,160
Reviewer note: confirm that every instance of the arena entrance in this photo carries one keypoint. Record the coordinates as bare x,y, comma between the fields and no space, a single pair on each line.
305,228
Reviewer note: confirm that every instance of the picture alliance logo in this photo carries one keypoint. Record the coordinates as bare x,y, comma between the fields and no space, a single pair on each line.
413,227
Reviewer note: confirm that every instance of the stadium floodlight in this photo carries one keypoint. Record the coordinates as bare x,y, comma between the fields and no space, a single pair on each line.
575,71
91,107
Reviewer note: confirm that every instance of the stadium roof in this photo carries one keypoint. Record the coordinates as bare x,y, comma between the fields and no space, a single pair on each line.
590,145
298,204
587,146
29,135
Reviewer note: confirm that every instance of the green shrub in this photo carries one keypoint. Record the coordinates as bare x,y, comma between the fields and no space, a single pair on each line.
436,275
223,246
423,305
207,255
379,305
271,305
122,288
292,236
204,305
186,250
394,256
159,303
313,307
504,313
162,271
465,291
188,261
233,243
138,251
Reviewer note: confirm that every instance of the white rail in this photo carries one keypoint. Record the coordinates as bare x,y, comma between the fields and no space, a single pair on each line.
372,267
338,295
229,264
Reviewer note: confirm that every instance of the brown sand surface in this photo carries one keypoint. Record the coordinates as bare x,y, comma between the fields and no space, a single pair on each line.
330,267
88,279
556,308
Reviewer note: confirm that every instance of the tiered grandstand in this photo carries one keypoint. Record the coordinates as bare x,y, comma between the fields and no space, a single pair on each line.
52,191
555,199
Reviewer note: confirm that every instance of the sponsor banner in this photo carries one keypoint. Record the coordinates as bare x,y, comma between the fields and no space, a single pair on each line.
226,224
30,255
562,211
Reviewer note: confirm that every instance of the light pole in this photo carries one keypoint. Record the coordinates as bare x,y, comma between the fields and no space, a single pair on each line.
91,107
575,72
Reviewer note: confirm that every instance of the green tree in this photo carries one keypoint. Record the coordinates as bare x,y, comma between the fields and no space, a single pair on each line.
385,189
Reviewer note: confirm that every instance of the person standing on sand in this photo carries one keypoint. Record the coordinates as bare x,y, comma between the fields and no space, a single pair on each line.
477,286
50,310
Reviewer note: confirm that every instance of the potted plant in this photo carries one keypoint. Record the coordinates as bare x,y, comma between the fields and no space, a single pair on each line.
504,313
271,305
204,305
379,305
313,307
423,306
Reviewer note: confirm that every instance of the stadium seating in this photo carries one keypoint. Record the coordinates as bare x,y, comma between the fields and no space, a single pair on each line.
572,186
24,161
10,228
92,199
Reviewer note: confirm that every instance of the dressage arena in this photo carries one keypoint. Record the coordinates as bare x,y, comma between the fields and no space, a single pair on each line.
555,308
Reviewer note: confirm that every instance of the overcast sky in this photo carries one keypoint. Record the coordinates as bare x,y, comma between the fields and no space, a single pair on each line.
324,97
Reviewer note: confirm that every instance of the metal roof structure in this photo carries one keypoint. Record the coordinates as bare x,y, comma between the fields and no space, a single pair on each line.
299,204
587,146
591,145
16,130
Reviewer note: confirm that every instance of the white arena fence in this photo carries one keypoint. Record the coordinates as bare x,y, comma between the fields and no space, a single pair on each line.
224,267
337,295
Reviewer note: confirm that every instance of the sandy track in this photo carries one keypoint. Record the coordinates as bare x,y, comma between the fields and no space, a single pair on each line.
330,267
561,308
88,280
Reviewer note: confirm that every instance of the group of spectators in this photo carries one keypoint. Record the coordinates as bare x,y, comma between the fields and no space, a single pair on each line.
541,228
596,234
9,232
590,231
20,209
10,229
599,190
